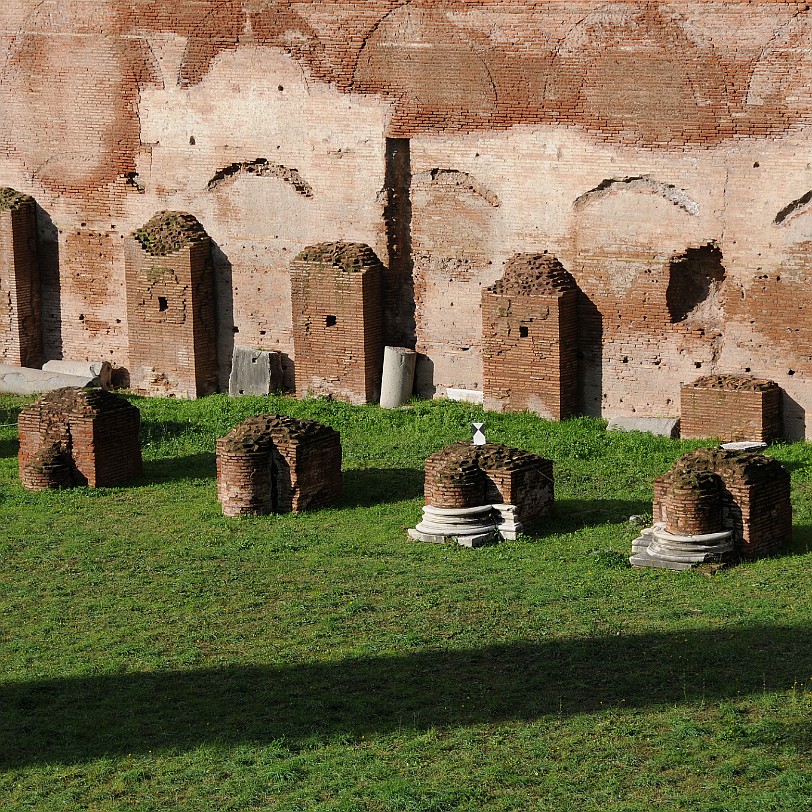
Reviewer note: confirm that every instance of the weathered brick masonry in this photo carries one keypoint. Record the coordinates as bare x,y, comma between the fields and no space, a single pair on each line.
732,408
464,475
658,149
20,313
752,490
337,321
79,437
277,464
171,307
530,338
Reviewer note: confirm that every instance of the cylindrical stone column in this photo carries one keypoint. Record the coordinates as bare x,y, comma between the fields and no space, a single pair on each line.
398,376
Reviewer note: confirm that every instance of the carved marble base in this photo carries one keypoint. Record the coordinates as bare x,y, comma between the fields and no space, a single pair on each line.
657,548
471,527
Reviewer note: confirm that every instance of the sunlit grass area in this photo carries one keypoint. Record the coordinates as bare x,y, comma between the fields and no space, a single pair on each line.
155,655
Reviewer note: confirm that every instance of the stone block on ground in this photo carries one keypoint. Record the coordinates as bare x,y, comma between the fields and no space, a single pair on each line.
100,372
255,372
25,381
660,426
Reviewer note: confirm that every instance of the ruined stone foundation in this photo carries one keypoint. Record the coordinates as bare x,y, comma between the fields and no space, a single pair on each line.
530,338
714,491
171,307
277,464
20,314
474,494
75,437
731,407
338,322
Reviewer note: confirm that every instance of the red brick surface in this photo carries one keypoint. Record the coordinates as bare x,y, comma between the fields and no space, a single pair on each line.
659,149
755,499
277,464
731,408
20,309
79,437
337,322
171,316
464,475
530,338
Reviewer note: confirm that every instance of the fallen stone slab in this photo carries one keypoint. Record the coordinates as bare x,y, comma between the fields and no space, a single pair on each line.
25,381
100,371
661,426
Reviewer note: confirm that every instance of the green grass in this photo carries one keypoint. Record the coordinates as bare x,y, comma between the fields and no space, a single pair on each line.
156,655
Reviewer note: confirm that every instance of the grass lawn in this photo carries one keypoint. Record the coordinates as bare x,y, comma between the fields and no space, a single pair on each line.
155,655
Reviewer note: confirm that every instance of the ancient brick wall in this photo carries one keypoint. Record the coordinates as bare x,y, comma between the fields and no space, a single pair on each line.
338,321
20,304
755,498
530,338
658,149
171,307
732,408
277,464
463,475
79,437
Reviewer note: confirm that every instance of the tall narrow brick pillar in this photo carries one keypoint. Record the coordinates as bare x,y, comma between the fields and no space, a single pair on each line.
337,321
20,313
171,308
530,342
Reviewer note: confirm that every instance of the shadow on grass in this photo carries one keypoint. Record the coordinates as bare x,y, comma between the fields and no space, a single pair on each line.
175,469
375,486
78,719
571,515
9,448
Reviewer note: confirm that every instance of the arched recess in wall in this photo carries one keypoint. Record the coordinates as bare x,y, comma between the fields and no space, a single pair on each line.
431,66
624,58
453,215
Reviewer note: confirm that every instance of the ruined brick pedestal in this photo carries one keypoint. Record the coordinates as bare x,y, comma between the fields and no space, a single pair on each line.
338,322
171,307
277,464
530,341
731,407
79,437
20,316
473,493
754,495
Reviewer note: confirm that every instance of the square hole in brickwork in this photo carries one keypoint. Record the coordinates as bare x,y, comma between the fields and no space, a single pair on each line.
163,304
524,331
330,321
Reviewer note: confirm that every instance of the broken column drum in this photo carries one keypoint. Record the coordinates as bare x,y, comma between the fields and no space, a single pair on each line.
732,408
338,321
277,464
20,308
473,492
75,437
171,307
530,338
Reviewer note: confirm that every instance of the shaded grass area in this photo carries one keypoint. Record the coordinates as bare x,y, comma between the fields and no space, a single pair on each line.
157,655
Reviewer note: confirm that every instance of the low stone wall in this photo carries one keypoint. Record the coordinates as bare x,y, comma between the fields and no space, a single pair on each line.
277,464
75,437
732,408
755,498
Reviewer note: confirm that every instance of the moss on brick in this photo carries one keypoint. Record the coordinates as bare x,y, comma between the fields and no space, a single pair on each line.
169,231
349,256
11,199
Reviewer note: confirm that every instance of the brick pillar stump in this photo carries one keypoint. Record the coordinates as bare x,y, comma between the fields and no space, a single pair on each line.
338,322
171,308
732,408
20,307
530,338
